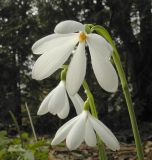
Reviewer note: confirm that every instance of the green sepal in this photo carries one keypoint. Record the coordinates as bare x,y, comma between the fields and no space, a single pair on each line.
88,28
63,74
86,105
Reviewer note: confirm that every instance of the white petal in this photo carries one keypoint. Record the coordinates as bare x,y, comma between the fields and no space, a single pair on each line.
68,26
99,45
90,137
63,131
78,103
57,101
40,45
76,70
43,109
104,71
50,42
48,63
76,135
105,134
65,111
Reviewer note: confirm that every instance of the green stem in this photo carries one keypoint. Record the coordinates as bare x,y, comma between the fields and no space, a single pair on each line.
102,153
17,127
102,31
91,99
129,105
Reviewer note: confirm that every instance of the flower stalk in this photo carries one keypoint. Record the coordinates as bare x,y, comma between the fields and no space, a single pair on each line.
102,31
102,153
129,105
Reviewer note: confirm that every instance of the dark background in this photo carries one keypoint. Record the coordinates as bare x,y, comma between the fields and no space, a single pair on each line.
24,22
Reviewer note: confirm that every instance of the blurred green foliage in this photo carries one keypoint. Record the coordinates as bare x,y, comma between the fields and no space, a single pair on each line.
11,148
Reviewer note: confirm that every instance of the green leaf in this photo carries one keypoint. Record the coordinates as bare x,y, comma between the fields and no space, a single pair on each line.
36,145
3,133
28,155
2,152
25,135
3,139
16,140
41,155
16,148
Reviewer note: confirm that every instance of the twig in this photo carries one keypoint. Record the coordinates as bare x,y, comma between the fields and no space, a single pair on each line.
31,122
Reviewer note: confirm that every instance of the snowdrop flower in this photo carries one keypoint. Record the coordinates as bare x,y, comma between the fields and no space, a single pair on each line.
56,102
56,49
83,128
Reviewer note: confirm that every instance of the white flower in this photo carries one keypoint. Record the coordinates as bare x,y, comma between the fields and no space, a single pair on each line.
83,128
56,102
56,49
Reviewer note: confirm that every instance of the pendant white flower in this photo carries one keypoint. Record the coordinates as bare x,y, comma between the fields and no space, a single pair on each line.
83,128
56,102
56,49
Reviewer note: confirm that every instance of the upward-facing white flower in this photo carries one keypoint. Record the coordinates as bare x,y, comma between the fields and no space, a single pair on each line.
83,128
56,102
56,48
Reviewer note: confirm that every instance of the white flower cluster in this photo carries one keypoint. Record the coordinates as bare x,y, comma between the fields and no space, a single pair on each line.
70,37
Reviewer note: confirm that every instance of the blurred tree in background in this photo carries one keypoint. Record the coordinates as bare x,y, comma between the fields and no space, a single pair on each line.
24,22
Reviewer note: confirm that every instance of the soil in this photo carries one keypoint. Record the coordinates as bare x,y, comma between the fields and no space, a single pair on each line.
127,152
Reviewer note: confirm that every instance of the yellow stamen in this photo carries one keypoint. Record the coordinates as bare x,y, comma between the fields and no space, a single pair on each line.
82,37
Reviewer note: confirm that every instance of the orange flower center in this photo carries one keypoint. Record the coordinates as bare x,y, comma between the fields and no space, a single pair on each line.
82,37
